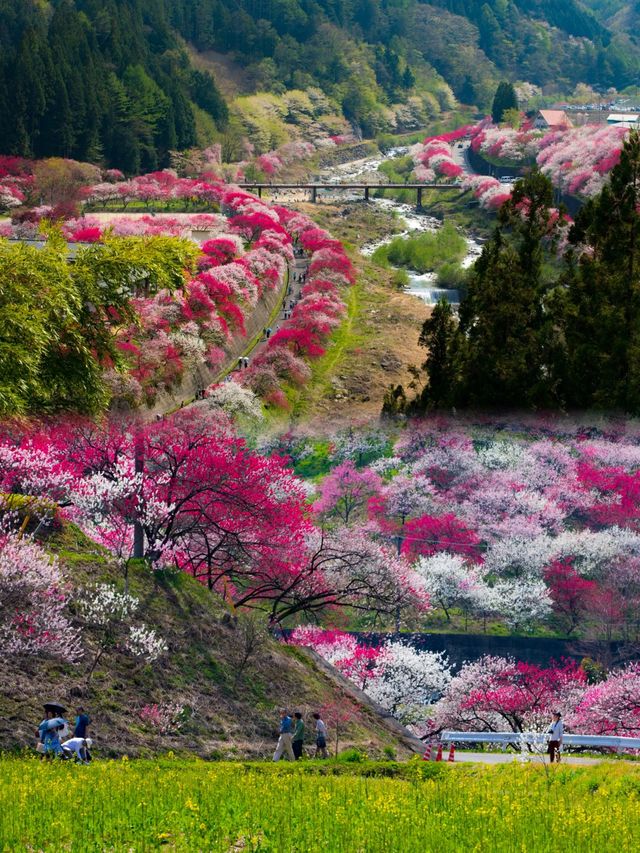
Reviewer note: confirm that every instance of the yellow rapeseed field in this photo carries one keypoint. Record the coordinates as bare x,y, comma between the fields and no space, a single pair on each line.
312,807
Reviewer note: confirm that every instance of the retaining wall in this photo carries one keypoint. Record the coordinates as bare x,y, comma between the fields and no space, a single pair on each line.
536,650
260,317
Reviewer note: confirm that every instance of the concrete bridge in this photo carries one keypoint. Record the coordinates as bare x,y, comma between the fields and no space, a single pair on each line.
314,188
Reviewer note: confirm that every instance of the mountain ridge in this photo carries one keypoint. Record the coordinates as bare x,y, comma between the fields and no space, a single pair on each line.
112,81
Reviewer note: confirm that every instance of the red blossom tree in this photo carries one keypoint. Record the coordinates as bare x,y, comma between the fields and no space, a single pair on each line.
570,593
430,534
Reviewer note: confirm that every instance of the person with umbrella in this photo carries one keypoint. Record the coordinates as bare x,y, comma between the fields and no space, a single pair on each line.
52,728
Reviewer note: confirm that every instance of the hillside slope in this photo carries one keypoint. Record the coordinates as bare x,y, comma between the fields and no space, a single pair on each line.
113,80
230,705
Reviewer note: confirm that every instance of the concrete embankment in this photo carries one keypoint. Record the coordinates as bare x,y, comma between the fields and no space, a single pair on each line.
263,315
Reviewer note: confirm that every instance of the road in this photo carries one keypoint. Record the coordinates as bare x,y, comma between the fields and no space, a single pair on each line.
509,757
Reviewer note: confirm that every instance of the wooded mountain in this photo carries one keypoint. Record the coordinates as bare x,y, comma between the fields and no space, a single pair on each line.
112,80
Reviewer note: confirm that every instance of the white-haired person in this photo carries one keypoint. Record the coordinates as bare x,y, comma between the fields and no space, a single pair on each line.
80,746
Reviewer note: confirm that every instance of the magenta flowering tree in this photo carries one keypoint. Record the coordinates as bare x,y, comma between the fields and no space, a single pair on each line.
357,662
571,594
345,492
429,534
498,694
610,707
435,157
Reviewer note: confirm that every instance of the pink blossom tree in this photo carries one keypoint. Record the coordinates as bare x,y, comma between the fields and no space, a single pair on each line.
344,492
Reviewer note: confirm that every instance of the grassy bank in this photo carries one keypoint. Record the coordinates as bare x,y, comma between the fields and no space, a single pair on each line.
377,340
340,808
426,252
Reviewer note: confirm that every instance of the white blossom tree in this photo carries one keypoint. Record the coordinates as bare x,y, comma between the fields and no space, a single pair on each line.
409,681
235,400
447,579
33,618
107,612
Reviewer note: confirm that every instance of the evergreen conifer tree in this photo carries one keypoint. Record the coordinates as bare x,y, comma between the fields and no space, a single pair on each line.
602,293
504,99
511,339
439,334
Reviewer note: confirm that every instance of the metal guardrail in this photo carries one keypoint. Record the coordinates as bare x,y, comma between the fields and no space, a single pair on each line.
535,738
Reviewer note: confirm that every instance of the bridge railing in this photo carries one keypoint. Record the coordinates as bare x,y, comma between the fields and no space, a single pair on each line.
537,739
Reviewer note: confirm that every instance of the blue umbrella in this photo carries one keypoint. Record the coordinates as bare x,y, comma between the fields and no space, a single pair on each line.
54,723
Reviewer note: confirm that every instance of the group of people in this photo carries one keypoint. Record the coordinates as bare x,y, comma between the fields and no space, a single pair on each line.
53,730
291,737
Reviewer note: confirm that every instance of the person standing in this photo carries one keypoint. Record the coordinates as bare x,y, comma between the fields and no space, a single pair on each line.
284,740
50,730
83,721
298,735
556,730
321,737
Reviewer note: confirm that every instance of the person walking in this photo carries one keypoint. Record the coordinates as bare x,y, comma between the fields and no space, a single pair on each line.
298,735
269,331
556,730
284,740
51,729
321,737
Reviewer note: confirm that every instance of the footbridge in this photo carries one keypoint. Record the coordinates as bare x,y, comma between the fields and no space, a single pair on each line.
315,188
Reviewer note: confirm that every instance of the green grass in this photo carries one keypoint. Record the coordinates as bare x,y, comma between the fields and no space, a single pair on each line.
337,807
425,252
343,339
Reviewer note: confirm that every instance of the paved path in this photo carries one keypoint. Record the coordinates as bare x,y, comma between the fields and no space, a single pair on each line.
510,757
298,267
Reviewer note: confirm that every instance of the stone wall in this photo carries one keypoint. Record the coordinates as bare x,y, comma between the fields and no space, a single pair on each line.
484,167
536,650
195,380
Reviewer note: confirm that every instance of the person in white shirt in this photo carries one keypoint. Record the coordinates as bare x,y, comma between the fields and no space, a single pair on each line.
80,746
556,730
321,737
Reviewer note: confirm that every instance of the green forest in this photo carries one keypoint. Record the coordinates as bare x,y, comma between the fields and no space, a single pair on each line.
112,81
538,332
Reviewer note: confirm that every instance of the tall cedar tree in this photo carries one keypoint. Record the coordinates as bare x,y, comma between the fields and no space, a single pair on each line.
511,346
603,293
505,99
439,335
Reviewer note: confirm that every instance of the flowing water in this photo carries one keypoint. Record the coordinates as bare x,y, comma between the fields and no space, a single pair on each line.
421,285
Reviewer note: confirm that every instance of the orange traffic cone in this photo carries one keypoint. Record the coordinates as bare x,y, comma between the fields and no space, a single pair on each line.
439,755
452,753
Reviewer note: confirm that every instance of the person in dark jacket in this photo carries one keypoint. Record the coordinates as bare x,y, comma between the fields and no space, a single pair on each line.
298,735
83,721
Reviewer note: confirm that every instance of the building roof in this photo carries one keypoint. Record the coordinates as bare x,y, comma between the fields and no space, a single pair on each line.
556,118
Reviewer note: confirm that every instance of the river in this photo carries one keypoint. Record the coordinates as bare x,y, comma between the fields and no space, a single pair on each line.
421,285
